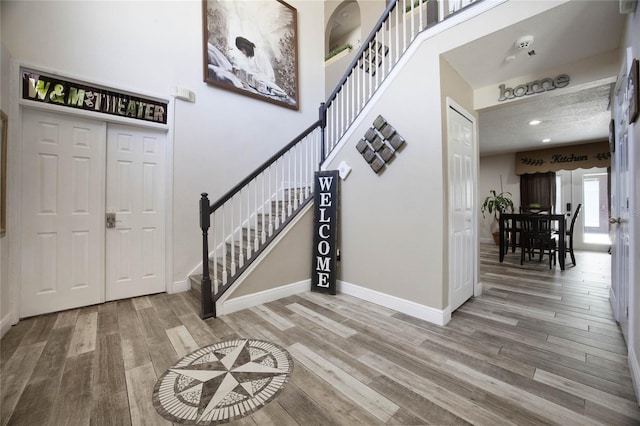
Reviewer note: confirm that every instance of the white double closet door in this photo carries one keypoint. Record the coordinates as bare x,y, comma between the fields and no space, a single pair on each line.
74,172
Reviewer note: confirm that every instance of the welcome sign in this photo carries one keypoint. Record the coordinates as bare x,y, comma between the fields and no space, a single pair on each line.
323,275
54,90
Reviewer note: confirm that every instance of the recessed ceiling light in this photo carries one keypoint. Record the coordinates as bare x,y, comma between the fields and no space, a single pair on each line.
534,122
546,140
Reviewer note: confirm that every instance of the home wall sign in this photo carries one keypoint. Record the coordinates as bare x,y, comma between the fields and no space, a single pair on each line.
533,87
323,274
584,156
58,91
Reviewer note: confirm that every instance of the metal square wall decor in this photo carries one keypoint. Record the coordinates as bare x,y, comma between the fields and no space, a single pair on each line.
380,144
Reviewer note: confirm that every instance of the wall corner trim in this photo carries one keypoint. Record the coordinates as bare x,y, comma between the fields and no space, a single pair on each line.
423,312
179,287
5,324
265,296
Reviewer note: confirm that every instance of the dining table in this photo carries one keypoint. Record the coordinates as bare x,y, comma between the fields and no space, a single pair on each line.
511,223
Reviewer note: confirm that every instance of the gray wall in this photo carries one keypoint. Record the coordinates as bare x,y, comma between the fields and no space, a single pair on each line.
287,262
392,223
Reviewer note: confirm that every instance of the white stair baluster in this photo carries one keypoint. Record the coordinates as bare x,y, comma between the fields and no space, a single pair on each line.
240,229
258,206
306,185
289,185
225,274
249,241
233,240
272,169
397,35
274,204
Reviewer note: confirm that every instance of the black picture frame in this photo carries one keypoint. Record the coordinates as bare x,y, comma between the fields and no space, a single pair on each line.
251,48
632,92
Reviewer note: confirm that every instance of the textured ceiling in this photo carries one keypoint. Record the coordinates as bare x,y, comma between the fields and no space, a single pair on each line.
562,35
568,33
565,118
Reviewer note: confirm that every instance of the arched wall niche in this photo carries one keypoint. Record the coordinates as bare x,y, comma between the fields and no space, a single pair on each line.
344,26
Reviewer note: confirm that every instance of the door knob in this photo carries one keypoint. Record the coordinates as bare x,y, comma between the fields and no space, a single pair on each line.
111,220
613,220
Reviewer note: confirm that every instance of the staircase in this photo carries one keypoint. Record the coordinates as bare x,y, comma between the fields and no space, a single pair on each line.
246,219
231,260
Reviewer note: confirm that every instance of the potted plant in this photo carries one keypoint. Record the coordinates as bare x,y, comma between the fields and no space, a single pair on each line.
496,204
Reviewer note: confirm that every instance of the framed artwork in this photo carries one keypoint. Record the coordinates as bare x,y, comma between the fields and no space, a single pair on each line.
251,48
3,173
632,91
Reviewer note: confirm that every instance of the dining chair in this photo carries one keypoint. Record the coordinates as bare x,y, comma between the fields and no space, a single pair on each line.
569,236
513,228
538,239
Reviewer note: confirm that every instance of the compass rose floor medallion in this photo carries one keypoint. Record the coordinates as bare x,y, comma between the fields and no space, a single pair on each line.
222,382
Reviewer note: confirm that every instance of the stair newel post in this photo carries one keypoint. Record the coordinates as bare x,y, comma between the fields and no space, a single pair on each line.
208,307
323,125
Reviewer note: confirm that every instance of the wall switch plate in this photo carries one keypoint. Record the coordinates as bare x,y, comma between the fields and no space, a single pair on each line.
343,170
184,94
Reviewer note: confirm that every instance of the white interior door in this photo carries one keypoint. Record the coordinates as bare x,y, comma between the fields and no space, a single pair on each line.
136,194
62,236
620,238
462,168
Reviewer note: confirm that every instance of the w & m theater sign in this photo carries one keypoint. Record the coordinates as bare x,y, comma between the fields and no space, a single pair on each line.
54,90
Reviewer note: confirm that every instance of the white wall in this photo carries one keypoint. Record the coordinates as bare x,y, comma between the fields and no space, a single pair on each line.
584,73
493,169
386,219
150,47
370,12
354,38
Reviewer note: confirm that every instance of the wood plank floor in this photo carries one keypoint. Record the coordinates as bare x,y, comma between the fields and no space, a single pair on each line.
538,347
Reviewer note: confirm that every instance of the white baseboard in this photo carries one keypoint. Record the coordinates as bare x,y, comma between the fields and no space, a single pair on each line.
477,291
5,324
179,287
634,366
423,312
250,300
486,240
